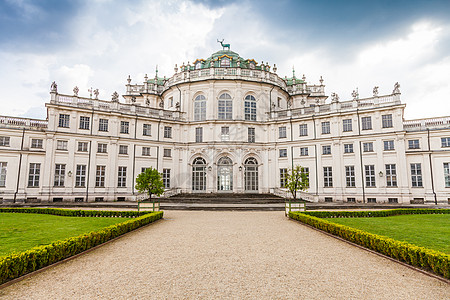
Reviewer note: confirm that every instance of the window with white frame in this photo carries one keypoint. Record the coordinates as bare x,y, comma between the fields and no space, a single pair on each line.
347,125
200,108
199,134
80,176
416,175
34,174
123,149
103,125
445,142
326,149
102,148
350,179
145,151
199,174
282,132
36,143
225,107
84,122
305,170
386,121
122,177
225,62
388,145
100,176
283,177
327,176
348,148
64,120
61,145
60,173
124,127
166,178
167,153
147,129
413,144
167,132
4,141
366,123
283,152
251,135
82,146
250,108
391,175
325,127
3,169
225,133
251,174
304,151
303,129
447,174
368,147
370,175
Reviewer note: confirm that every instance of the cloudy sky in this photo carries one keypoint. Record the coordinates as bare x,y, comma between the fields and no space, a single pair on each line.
352,44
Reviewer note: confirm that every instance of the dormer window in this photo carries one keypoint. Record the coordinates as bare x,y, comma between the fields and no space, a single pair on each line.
225,62
198,65
252,65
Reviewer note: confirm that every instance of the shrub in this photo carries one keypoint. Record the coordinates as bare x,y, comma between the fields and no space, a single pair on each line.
73,213
375,213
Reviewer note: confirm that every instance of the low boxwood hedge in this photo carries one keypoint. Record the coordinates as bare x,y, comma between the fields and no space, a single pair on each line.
375,213
18,264
427,259
74,213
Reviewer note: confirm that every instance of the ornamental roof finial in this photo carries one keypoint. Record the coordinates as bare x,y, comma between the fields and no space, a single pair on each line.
293,71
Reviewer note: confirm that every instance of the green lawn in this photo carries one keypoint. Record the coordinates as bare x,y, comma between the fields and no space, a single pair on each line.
22,231
430,231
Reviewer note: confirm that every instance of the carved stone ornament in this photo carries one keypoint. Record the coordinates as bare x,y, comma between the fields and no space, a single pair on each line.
161,104
334,97
147,101
355,94
96,93
75,91
375,91
54,87
396,88
289,103
133,99
177,106
115,97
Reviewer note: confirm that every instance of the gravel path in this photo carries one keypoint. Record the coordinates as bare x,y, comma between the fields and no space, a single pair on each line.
195,254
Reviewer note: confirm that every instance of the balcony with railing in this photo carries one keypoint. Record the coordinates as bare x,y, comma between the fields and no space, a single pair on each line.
14,122
424,124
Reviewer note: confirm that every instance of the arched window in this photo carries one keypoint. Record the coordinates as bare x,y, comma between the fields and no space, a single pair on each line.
198,65
251,174
225,174
200,108
250,108
225,107
199,174
225,62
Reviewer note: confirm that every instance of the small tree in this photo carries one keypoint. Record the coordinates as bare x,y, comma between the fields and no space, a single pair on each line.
150,182
297,180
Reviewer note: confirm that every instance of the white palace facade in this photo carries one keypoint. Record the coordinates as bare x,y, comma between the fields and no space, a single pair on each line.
225,124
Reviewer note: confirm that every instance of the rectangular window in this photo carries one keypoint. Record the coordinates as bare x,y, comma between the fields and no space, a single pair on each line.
282,132
168,132
348,148
303,129
366,123
60,172
391,200
103,125
251,135
386,121
373,200
445,142
80,178
4,141
446,174
199,134
102,148
416,175
391,175
61,145
370,175
388,145
84,122
350,176
145,151
166,178
351,200
34,174
283,152
304,151
327,177
100,176
368,147
413,144
326,149
325,127
3,168
225,133
306,171
36,143
64,121
123,149
347,125
82,146
124,127
167,153
283,175
147,129
122,177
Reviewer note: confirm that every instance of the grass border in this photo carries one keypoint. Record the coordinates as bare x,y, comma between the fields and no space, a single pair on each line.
420,257
18,264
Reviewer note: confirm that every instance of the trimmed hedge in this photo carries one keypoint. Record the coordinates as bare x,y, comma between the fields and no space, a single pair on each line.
74,213
427,259
375,213
18,264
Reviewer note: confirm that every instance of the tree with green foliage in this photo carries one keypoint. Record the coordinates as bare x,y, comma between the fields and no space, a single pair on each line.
150,181
297,180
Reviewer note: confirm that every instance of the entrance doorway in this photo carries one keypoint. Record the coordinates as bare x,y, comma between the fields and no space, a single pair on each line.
225,174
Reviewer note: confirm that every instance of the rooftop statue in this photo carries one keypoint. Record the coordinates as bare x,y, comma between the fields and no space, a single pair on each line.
224,46
375,91
54,87
396,88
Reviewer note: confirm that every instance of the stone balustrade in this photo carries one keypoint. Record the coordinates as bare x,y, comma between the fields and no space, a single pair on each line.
23,122
424,124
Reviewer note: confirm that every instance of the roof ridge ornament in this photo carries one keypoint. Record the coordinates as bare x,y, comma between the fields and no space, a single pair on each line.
224,45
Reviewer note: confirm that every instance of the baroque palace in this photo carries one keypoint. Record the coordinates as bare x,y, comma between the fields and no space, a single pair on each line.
225,124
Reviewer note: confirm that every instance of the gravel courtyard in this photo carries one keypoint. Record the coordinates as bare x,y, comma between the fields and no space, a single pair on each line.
236,255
